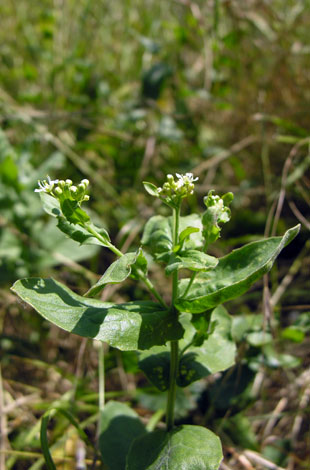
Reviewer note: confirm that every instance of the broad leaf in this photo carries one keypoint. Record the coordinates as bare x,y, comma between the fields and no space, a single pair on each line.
185,447
119,427
156,366
117,272
157,235
129,326
234,274
193,260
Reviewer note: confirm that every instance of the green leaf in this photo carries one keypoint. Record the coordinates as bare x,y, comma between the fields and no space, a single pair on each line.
259,338
80,234
119,271
242,325
119,427
151,189
74,231
191,259
128,326
156,366
185,447
185,234
73,212
50,205
140,264
157,235
234,274
217,352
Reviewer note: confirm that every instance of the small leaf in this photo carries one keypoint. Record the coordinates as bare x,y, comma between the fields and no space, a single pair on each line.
119,427
234,274
117,272
151,189
156,366
80,234
129,326
185,447
184,235
191,259
50,205
157,235
73,212
139,264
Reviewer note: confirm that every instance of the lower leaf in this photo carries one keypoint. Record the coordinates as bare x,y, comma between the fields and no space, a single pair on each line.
119,427
129,326
185,447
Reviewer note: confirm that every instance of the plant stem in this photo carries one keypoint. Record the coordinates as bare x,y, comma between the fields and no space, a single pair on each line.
174,345
189,284
176,223
172,385
101,376
152,289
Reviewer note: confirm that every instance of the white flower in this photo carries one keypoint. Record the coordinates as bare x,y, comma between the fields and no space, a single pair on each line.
46,186
186,179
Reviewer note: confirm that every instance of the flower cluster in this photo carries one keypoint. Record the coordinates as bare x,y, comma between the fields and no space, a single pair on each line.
180,188
218,206
217,213
64,189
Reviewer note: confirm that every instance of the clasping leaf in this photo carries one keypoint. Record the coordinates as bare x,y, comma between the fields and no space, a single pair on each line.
234,274
128,326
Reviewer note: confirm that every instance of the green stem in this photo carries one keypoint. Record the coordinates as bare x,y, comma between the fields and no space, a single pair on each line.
189,284
176,224
101,376
101,379
151,288
172,386
106,243
174,345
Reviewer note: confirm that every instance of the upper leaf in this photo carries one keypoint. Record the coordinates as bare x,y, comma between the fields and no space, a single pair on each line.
157,235
128,326
191,259
116,272
234,274
81,235
74,230
151,188
72,211
185,447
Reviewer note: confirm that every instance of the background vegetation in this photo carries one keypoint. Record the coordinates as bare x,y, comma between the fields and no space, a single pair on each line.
118,92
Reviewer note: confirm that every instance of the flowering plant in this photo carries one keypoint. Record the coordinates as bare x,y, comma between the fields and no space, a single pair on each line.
179,340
